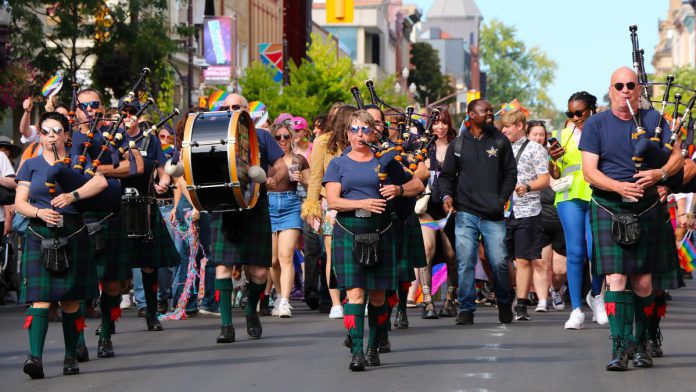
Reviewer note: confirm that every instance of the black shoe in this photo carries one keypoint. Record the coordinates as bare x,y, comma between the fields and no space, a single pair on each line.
521,312
325,308
357,363
465,317
254,328
162,306
619,356
245,297
105,349
655,349
70,366
192,313
429,312
81,352
264,309
348,342
142,312
311,298
99,329
384,344
642,358
448,309
401,319
33,367
153,323
226,334
372,356
505,313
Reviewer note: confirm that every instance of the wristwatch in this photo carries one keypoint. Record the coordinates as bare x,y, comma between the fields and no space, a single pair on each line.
76,196
664,176
529,188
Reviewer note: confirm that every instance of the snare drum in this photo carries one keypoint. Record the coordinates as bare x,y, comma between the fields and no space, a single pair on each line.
217,151
137,203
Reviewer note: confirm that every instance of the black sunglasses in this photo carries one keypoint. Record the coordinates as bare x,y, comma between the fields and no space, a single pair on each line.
619,86
233,107
577,113
130,110
93,105
282,137
46,130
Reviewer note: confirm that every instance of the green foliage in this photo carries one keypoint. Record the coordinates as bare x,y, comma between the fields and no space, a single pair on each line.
684,76
426,75
513,70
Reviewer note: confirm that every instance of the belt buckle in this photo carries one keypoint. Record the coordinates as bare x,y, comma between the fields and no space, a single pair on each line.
361,213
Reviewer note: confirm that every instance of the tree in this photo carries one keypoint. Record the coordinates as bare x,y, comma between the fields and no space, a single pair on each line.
513,70
684,76
426,75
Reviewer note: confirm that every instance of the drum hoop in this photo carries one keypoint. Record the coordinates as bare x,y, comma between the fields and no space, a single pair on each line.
233,134
186,156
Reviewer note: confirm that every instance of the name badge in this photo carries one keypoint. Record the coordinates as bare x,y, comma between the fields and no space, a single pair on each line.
143,153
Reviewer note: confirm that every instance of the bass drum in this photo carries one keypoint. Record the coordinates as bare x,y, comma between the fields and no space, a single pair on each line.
217,151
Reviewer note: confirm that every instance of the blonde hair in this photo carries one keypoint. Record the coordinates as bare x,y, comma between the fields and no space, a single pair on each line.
513,117
362,116
276,127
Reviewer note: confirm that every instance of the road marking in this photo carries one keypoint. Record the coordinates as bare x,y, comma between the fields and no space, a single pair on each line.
483,376
486,359
495,346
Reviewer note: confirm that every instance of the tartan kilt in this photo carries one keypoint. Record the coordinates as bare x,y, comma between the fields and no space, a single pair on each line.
110,265
157,253
79,282
243,237
409,248
350,274
655,253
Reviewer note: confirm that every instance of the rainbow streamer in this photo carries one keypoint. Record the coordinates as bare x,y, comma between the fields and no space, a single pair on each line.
216,99
687,253
436,225
52,87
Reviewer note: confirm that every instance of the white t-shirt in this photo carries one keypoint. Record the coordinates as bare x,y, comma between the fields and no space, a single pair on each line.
34,137
6,169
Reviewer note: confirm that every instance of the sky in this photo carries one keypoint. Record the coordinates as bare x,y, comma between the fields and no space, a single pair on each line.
588,39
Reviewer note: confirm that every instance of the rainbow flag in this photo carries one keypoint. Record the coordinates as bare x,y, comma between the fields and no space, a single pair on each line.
672,204
439,277
436,225
168,149
52,87
216,99
508,207
687,253
510,106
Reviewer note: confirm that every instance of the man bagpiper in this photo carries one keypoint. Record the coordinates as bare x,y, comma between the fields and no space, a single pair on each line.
632,237
244,238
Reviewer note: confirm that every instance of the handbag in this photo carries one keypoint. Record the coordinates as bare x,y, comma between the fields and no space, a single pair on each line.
55,255
563,184
422,202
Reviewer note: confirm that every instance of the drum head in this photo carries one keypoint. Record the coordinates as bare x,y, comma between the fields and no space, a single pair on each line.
245,154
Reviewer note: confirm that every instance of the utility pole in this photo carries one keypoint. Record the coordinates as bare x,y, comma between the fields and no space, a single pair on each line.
189,47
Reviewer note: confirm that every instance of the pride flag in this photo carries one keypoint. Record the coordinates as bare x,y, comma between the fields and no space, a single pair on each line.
687,254
436,225
508,208
439,277
52,86
215,100
512,105
168,149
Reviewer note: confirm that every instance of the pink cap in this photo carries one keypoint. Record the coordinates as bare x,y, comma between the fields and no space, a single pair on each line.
299,123
282,117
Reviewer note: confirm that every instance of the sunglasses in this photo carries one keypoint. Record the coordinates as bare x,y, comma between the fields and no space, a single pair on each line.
233,107
282,137
46,130
577,113
354,129
93,105
619,86
131,110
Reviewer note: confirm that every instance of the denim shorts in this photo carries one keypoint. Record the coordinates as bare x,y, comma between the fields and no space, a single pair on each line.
284,208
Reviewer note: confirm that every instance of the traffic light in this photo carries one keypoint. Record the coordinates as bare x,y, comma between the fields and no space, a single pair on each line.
339,11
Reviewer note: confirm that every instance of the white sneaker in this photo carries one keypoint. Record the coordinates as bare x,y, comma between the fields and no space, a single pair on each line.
126,301
276,308
557,300
576,320
284,308
336,312
589,299
542,306
600,310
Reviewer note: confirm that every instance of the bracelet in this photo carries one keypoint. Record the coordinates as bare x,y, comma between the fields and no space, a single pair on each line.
37,213
401,187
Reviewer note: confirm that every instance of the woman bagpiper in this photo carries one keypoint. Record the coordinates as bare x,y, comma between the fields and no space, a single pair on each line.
363,255
56,261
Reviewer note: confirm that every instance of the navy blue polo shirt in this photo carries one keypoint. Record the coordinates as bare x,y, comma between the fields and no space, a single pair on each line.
34,170
154,147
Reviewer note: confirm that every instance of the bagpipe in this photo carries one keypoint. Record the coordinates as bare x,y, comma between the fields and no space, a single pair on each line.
652,149
409,149
71,177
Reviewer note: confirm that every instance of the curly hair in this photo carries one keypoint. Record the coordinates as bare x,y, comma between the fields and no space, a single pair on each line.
338,141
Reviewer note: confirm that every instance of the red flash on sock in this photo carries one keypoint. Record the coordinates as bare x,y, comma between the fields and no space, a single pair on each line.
217,295
80,324
27,322
349,321
610,308
262,296
115,314
648,310
382,318
661,311
405,285
155,287
392,301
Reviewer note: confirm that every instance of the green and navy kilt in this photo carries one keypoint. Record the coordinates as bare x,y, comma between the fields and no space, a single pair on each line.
157,253
655,253
243,237
409,247
350,274
79,282
110,265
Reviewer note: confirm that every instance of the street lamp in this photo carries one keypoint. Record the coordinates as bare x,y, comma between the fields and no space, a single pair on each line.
397,88
412,88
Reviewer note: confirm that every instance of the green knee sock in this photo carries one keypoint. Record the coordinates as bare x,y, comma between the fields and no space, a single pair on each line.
73,324
658,313
150,288
37,324
354,321
643,308
619,307
83,311
377,321
111,311
223,294
255,291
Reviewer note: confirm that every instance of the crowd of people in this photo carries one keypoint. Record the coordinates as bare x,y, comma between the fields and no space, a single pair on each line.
522,217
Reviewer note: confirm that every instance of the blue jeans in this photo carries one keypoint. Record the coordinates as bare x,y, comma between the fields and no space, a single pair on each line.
468,228
575,219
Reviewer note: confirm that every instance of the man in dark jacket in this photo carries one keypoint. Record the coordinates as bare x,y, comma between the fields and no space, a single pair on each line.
477,179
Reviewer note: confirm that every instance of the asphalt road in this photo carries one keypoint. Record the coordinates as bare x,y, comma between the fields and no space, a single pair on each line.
305,354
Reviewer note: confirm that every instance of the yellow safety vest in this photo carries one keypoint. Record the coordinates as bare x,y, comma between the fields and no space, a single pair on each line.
571,164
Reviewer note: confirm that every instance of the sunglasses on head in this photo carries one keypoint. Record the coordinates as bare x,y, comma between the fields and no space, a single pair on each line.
354,129
282,137
619,86
93,105
46,130
577,113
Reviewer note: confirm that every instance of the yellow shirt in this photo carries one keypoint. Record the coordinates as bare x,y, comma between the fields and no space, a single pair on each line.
571,164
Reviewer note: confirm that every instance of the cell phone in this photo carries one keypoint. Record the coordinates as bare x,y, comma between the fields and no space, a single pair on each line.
553,142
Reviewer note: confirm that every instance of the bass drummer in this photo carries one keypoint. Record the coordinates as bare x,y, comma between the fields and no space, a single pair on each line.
244,238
